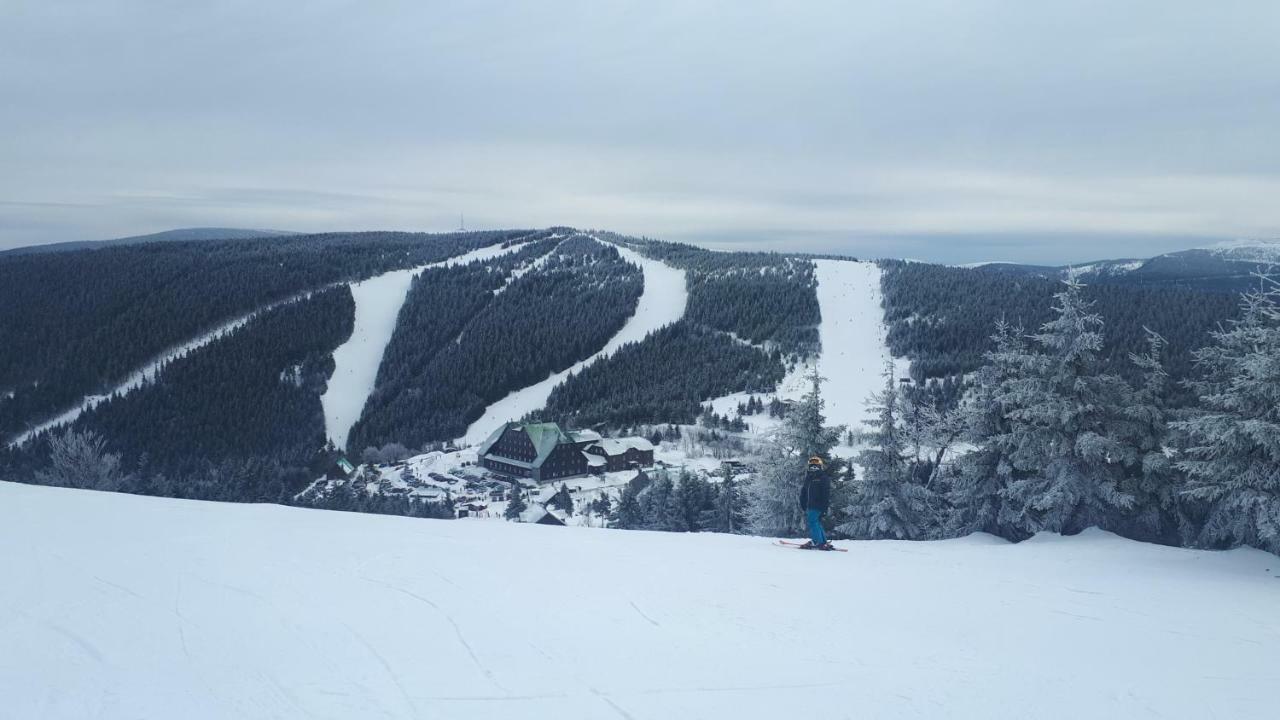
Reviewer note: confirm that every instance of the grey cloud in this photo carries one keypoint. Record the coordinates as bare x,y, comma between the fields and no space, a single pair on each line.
938,121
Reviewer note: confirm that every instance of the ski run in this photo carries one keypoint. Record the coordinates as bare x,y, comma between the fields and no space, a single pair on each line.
378,302
119,606
661,303
855,349
855,352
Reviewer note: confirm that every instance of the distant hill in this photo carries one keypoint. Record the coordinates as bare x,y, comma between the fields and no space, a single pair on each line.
1225,267
177,235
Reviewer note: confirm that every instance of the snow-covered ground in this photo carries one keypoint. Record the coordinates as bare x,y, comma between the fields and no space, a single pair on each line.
662,303
356,362
116,606
147,372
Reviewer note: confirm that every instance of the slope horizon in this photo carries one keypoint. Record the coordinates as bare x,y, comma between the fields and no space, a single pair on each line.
933,248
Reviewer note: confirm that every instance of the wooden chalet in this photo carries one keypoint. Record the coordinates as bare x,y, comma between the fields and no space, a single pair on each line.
543,452
623,453
539,515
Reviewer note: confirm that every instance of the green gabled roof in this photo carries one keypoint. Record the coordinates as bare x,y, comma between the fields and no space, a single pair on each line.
545,437
493,438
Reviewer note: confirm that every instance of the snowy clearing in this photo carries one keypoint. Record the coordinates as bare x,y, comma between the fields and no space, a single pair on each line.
661,303
147,373
117,606
356,362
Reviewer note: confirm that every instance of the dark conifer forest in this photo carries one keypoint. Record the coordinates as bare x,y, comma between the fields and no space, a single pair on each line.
255,393
78,322
943,317
763,298
664,377
540,323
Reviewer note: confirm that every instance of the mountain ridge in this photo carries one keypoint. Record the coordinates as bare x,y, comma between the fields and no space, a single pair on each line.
174,235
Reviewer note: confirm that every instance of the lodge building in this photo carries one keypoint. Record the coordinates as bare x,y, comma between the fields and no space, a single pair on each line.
543,452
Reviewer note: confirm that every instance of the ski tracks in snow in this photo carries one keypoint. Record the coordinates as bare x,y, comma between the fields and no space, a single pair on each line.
661,303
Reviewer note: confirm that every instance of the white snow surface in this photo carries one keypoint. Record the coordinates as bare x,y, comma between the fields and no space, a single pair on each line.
378,302
661,303
854,346
117,606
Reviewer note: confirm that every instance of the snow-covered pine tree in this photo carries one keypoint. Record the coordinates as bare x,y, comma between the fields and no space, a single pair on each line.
1062,436
562,500
773,492
656,507
80,460
729,514
1159,510
978,478
1232,458
516,505
888,502
627,514
600,507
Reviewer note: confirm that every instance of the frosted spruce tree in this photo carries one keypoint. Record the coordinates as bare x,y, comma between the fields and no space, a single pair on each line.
890,501
1061,441
1159,511
978,479
1232,458
772,494
80,460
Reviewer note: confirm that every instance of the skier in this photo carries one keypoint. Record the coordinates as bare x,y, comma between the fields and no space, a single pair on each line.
815,495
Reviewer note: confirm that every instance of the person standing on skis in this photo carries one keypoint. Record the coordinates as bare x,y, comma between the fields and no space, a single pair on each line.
815,496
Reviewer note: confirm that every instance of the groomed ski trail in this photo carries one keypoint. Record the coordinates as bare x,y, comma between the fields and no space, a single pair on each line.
661,303
854,352
356,362
855,349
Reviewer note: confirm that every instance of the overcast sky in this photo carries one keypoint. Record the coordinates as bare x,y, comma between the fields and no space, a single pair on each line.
953,131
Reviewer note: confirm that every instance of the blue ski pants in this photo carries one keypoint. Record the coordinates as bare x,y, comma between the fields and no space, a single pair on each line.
816,533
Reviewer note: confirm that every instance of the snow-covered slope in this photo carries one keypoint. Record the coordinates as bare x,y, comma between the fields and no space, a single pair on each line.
1255,251
116,606
662,303
378,301
853,334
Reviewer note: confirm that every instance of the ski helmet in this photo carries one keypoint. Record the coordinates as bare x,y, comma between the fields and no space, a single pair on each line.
815,463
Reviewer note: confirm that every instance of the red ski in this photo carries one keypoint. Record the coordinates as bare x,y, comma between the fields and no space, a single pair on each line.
802,546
